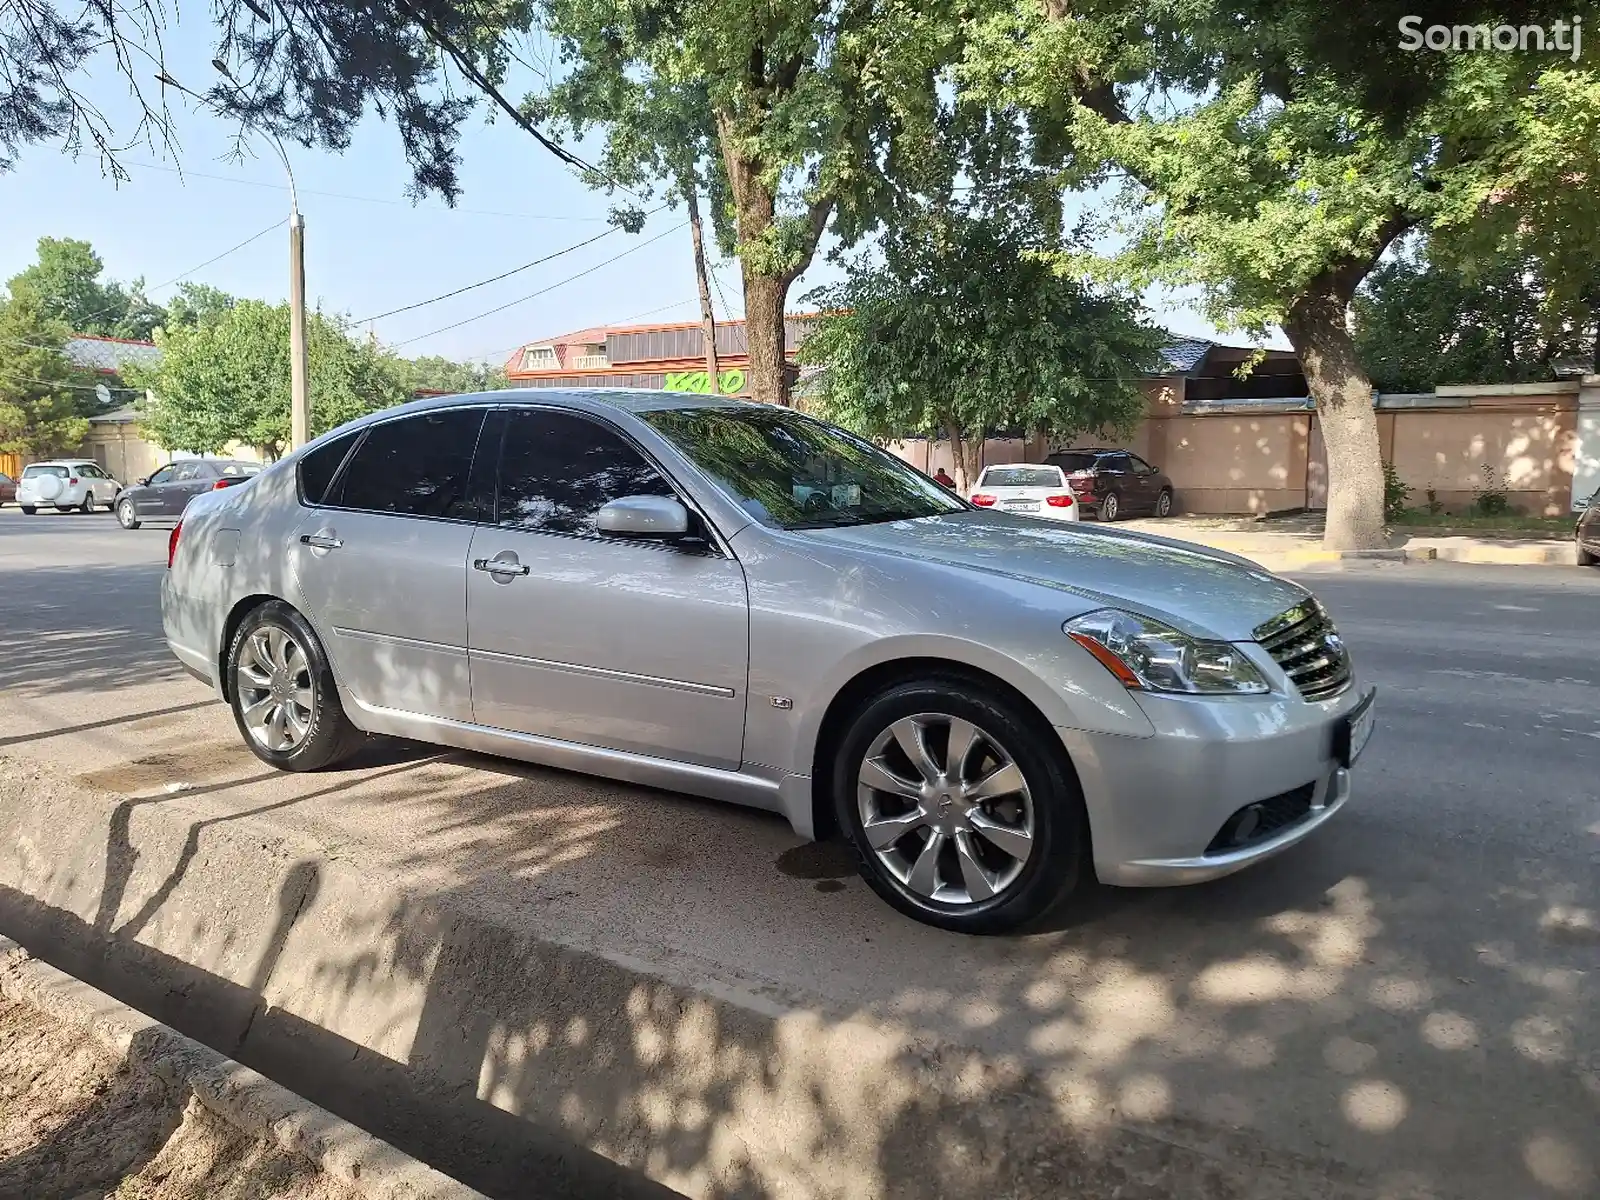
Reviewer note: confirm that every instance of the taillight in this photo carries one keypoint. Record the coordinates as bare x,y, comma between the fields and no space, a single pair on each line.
1058,501
73,482
172,543
219,485
982,500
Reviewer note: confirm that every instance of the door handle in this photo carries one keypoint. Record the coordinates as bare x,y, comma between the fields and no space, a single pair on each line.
320,541
500,566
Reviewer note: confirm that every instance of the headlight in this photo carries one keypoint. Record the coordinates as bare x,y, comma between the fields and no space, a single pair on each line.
1147,654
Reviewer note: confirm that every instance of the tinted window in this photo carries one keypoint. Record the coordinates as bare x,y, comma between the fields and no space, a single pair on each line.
794,472
557,470
4,478
35,472
162,476
318,467
414,467
1045,477
1115,462
1140,465
1074,460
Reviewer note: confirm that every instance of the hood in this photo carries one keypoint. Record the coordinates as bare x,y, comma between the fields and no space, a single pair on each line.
1201,591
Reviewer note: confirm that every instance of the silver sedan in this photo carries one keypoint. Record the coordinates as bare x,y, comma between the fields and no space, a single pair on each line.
740,602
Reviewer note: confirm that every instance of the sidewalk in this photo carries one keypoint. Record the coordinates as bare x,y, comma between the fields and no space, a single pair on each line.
1295,542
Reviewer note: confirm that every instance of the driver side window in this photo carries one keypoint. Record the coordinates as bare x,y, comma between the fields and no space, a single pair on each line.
162,476
557,470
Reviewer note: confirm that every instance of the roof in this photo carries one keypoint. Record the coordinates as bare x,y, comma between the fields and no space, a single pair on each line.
109,355
126,415
1185,354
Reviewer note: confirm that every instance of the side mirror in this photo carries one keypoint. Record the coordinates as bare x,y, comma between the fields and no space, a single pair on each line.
644,517
145,482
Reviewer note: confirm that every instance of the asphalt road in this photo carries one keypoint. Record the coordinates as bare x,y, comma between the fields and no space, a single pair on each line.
1414,994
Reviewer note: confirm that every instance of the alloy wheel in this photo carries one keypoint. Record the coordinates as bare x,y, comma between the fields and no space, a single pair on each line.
945,809
125,514
272,678
1109,507
1164,505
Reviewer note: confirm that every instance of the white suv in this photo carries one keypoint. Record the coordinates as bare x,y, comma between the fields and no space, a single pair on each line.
66,484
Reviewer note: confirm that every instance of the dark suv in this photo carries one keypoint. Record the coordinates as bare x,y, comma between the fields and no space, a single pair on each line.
1587,534
1114,483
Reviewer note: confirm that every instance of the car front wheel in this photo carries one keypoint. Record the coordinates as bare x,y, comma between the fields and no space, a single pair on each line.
1586,558
962,813
126,517
283,695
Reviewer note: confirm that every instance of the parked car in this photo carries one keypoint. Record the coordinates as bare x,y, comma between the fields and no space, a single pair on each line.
8,489
1031,489
1587,534
66,484
741,602
163,495
1114,483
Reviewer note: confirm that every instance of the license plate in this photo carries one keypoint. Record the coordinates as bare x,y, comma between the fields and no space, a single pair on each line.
1356,731
1022,504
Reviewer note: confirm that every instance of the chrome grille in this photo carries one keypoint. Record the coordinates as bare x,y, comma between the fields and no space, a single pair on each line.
1304,642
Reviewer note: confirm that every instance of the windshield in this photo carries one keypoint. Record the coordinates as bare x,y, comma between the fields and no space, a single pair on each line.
36,471
1045,477
793,472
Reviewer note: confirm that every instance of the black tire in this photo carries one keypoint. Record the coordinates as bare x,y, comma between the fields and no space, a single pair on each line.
127,516
27,509
330,736
1164,503
63,508
1110,507
1587,559
1060,842
88,502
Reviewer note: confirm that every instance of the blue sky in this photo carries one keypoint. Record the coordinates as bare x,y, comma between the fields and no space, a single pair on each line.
368,248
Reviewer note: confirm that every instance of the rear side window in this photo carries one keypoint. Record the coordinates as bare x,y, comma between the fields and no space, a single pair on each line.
35,472
415,467
235,470
318,468
1045,477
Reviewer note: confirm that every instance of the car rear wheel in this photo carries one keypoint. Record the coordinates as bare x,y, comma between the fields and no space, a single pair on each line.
961,813
126,517
1164,503
27,509
1110,507
1586,558
282,692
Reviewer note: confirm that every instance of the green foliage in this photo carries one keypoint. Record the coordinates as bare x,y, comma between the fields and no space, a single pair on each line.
1419,324
1395,492
1490,498
41,394
227,379
64,283
434,373
967,328
198,304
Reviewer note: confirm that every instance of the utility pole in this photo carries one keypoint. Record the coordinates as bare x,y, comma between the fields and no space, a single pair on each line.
708,316
299,384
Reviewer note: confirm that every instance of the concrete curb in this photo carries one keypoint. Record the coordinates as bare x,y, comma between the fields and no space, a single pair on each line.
248,1101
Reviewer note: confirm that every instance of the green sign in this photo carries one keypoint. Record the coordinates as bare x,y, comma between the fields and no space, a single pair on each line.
730,384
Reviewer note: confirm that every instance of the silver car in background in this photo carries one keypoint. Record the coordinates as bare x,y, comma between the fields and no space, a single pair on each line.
740,602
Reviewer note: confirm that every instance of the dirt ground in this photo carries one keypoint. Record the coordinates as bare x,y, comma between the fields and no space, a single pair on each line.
75,1124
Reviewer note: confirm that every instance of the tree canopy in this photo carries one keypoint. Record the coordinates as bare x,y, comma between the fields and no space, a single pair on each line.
968,328
44,400
64,283
227,380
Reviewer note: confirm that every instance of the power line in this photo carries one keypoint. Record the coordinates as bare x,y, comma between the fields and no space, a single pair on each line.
218,258
497,278
541,291
496,355
280,187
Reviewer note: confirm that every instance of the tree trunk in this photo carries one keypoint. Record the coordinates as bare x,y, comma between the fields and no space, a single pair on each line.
963,455
764,299
708,316
1317,330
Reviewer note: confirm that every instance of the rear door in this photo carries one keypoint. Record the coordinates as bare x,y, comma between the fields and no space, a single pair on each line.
189,479
381,561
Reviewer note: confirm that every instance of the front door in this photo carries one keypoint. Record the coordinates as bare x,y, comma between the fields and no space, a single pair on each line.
151,499
381,564
1142,483
613,642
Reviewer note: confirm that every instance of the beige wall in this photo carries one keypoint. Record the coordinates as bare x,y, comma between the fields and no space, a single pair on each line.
122,450
1252,461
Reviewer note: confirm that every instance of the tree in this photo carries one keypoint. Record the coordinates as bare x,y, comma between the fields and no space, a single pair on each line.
65,284
806,113
1253,173
967,328
198,304
41,393
433,373
227,380
1419,323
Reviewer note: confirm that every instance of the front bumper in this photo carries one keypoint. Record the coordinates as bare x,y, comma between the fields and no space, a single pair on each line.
1158,805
